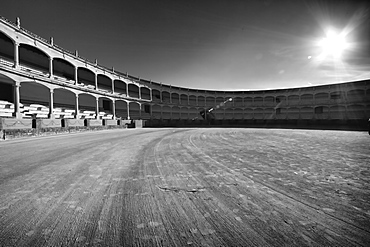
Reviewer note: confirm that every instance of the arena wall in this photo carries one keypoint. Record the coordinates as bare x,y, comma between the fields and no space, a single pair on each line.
40,80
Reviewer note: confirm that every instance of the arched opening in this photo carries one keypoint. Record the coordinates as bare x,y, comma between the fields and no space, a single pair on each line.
281,113
6,48
156,95
166,112
175,98
280,100
183,99
64,103
269,101
31,57
86,77
248,101
293,100
121,109
156,112
192,100
269,113
293,113
63,69
356,95
338,112
104,83
229,113
120,87
321,112
258,101
306,99
306,112
7,98
194,113
133,91
134,108
356,112
166,97
145,111
258,113
35,99
210,101
105,108
201,101
145,93
175,112
87,104
184,113
321,98
238,102
238,113
248,113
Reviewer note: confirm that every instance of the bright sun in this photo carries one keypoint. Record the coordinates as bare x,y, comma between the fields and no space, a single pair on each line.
334,44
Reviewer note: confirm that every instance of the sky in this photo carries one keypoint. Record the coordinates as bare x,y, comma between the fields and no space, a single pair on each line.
210,44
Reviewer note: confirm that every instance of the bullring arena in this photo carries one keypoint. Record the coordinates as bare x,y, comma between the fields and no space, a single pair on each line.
290,169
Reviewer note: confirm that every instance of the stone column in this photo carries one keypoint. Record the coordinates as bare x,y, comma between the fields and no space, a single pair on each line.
96,81
51,104
128,110
17,99
139,92
140,107
16,55
76,107
76,75
112,86
127,89
97,108
50,67
114,109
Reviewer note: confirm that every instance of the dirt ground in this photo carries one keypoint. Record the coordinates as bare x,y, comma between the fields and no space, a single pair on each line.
187,187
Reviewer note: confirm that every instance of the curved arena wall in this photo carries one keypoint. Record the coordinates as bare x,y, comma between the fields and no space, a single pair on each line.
40,80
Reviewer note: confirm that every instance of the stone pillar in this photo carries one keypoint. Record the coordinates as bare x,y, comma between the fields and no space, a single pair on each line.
128,110
140,105
76,75
151,96
97,108
139,92
76,107
96,81
127,89
112,86
114,109
16,55
50,67
17,99
51,104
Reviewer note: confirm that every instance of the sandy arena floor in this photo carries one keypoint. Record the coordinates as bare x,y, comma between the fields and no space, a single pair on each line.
187,187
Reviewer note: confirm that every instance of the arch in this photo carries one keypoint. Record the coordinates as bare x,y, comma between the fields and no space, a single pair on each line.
248,113
281,100
175,98
201,101
238,102
258,101
248,101
6,86
35,99
228,113
6,47
156,112
219,100
356,95
64,69
306,112
269,101
210,101
258,113
166,97
134,109
133,91
306,99
121,109
104,83
156,95
292,112
184,99
269,113
184,113
293,100
175,112
192,100
87,103
238,113
166,112
145,93
281,113
120,87
321,98
146,111
105,108
356,111
338,112
321,112
64,103
85,77
193,113
33,58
